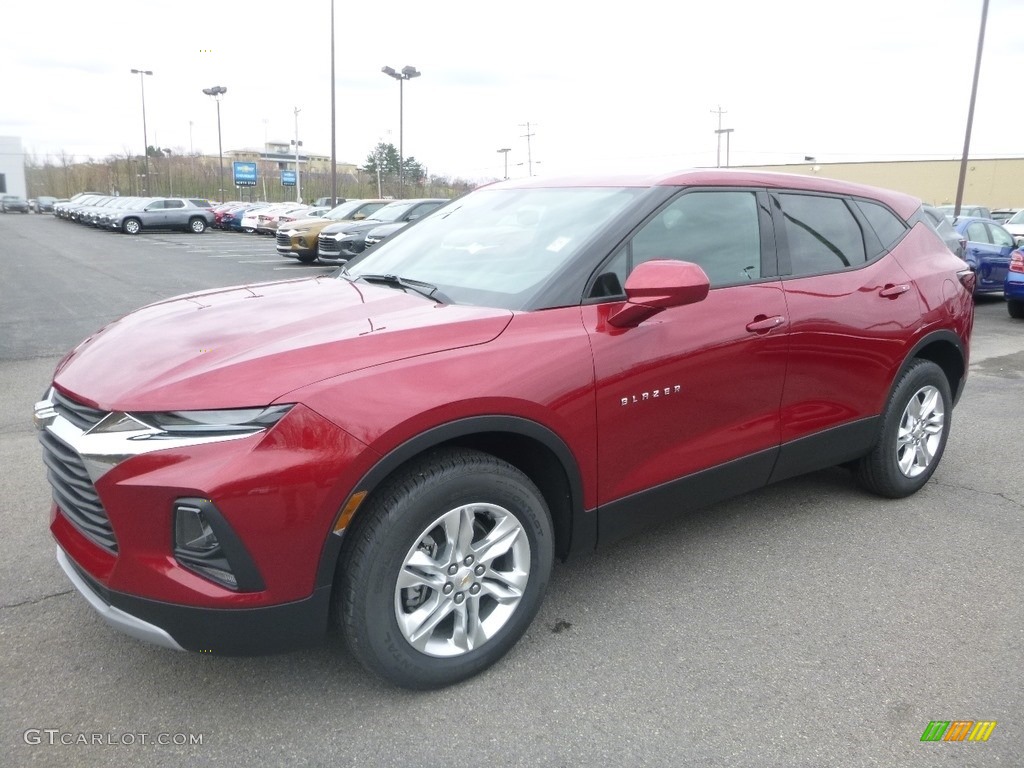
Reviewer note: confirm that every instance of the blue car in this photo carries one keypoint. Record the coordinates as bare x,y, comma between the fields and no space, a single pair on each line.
1014,285
989,247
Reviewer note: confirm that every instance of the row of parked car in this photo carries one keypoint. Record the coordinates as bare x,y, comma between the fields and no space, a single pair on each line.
992,247
132,215
329,235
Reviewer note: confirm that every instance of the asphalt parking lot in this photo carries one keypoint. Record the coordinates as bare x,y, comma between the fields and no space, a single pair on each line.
807,624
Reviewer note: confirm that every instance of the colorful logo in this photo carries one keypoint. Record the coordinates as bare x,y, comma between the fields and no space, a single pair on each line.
958,730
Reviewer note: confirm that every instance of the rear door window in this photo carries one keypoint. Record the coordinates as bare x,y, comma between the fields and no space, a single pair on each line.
822,233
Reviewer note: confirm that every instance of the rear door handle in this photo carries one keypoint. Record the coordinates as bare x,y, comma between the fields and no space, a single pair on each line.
762,324
894,291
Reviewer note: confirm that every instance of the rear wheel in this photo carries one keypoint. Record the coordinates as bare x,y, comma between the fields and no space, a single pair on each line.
445,569
197,224
1015,308
132,226
915,426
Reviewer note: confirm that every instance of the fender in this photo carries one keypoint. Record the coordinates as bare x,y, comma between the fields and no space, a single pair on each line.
942,335
583,524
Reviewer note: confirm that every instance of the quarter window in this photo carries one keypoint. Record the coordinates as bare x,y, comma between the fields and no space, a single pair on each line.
822,233
887,225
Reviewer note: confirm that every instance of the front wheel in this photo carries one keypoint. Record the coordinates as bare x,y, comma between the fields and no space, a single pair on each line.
197,225
132,226
915,426
445,569
1015,308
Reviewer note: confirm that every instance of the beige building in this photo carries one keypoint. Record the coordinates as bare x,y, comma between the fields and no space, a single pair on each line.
994,183
281,156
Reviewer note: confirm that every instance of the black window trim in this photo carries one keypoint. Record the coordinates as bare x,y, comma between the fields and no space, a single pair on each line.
872,245
766,226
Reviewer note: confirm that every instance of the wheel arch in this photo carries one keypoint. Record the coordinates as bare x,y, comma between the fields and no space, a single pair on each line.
531,447
946,350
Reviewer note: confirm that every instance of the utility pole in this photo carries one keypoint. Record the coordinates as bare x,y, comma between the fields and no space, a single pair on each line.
529,156
728,133
961,181
298,182
718,153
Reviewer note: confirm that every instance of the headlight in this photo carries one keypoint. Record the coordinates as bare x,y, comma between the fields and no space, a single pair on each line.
223,422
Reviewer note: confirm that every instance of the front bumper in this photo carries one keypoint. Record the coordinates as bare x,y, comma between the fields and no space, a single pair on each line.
115,617
231,632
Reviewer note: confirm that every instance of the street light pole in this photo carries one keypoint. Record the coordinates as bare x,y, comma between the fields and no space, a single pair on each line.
407,73
505,151
216,92
145,139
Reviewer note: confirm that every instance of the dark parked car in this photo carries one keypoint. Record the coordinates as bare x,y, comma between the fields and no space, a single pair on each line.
341,242
989,247
956,242
44,204
973,211
13,204
405,446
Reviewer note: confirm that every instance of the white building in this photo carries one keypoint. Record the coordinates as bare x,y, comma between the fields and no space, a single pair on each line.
12,167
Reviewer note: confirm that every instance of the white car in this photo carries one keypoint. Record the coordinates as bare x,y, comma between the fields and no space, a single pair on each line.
251,220
1015,226
268,219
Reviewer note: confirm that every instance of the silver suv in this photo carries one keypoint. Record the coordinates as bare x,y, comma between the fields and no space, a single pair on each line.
166,213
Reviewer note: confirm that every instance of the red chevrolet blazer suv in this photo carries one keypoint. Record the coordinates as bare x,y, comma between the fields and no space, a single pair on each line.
542,366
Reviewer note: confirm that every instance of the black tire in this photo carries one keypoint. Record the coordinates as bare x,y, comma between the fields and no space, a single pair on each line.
197,224
405,531
307,258
1015,308
131,226
894,467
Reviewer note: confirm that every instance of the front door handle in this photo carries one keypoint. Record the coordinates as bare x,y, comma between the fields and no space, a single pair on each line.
893,291
762,324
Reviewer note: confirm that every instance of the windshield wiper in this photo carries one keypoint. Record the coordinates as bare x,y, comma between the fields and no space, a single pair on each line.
424,289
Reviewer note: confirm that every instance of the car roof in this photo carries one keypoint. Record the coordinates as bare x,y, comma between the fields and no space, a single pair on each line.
905,205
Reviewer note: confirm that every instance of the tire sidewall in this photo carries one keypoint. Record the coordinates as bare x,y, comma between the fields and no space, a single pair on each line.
384,648
921,373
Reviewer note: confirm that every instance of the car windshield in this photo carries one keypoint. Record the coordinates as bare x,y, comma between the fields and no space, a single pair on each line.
496,247
391,212
345,210
1017,218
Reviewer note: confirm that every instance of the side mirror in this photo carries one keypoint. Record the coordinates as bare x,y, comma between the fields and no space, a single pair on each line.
359,217
657,285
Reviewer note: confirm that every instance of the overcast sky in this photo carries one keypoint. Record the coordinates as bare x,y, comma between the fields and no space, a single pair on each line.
604,86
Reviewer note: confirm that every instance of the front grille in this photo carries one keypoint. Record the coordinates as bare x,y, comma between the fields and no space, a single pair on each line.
283,240
82,416
74,492
327,244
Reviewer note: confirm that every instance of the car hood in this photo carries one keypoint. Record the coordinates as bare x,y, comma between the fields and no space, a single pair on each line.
250,345
305,225
335,227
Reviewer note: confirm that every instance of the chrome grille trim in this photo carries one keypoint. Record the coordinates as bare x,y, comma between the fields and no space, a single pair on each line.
74,492
82,416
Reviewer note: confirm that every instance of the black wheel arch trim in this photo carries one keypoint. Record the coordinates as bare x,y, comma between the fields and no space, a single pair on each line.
583,523
956,388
